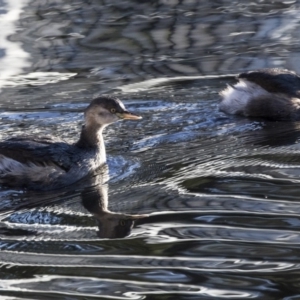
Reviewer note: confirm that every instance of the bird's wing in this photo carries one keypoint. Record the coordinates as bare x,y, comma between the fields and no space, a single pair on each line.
275,80
39,151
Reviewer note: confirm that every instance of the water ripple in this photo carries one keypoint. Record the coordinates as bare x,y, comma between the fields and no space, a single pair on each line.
146,262
117,289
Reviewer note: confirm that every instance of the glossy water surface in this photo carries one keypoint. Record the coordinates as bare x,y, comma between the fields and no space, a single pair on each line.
214,199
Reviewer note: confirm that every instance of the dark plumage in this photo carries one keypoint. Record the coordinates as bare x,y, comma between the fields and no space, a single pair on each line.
50,163
270,93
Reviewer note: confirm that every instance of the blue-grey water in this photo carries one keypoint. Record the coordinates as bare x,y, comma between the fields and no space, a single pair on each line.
194,204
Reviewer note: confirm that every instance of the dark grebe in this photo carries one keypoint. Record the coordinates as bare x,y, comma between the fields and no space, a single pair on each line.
268,93
49,163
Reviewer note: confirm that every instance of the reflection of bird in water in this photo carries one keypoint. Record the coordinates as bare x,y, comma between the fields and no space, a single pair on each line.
90,193
111,225
268,93
49,163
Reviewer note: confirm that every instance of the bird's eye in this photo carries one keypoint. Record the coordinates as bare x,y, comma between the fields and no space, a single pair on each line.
112,110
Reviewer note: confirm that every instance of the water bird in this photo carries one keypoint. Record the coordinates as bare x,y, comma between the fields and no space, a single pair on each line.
269,93
49,163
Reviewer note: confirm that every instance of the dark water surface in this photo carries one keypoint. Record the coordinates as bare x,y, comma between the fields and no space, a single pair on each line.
214,199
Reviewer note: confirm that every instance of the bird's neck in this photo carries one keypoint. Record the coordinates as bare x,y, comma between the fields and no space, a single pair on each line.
91,137
95,199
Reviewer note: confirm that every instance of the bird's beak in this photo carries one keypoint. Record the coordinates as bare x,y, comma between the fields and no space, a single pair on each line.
126,115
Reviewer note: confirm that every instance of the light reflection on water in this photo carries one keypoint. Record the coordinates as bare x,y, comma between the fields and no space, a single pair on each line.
13,57
199,205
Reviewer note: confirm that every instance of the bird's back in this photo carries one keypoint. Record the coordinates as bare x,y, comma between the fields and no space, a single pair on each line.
269,93
274,80
38,163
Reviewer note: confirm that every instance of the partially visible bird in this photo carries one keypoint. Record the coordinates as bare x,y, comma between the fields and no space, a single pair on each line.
270,93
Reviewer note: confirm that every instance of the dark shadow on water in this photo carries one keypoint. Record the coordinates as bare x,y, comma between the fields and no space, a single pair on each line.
93,195
110,224
275,134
